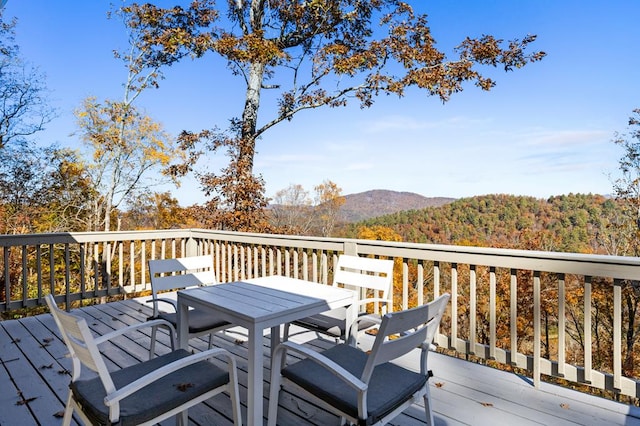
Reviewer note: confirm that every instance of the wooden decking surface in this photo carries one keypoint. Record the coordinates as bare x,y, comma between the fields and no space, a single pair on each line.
34,377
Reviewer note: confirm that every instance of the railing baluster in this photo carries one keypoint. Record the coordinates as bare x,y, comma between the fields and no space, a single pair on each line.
132,265
536,329
7,277
405,284
421,286
492,312
473,309
562,326
454,305
120,264
617,334
587,329
39,270
143,265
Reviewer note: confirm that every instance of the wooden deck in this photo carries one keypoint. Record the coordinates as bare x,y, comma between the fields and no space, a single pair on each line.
34,377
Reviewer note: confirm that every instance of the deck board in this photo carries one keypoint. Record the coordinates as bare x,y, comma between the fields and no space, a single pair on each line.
32,361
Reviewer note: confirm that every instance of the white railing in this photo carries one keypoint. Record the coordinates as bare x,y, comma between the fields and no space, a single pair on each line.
553,314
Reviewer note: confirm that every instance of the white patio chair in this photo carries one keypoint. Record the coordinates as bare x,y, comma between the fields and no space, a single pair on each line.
176,274
365,389
372,278
144,393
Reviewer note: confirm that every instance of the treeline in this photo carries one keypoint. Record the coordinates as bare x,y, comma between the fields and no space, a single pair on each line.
575,223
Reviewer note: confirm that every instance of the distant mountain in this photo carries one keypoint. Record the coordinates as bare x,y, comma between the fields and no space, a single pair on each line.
380,202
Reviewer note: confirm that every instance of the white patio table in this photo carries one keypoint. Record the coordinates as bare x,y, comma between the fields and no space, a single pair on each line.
257,304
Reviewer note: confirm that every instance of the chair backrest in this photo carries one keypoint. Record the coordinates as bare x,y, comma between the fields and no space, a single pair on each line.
365,273
401,332
80,343
179,273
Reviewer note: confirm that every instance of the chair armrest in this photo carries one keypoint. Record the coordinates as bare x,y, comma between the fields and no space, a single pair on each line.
169,301
371,300
353,328
170,368
318,358
133,327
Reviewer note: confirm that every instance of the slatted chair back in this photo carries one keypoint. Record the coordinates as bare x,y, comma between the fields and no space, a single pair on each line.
179,273
80,343
367,275
401,332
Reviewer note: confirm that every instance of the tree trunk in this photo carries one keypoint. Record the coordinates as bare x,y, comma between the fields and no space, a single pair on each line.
248,135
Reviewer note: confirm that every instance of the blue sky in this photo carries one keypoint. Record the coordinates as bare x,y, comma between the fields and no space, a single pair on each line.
543,130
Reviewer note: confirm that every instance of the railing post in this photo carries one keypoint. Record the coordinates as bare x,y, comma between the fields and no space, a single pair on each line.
351,248
191,247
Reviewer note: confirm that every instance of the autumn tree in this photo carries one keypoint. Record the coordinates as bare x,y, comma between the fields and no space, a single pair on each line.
329,199
24,109
623,233
309,54
42,190
157,210
125,146
291,210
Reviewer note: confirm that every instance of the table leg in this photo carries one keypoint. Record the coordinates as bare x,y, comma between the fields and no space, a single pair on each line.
254,385
183,325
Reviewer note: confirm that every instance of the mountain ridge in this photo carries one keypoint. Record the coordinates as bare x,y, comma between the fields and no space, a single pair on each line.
380,202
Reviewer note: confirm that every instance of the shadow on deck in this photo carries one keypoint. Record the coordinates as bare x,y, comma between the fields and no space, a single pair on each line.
35,376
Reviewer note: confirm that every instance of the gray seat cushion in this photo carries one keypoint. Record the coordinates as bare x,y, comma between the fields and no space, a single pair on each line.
333,322
199,320
389,387
161,396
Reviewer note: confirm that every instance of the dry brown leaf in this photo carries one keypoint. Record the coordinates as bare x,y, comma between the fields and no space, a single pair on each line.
239,341
24,401
184,386
486,404
565,406
439,384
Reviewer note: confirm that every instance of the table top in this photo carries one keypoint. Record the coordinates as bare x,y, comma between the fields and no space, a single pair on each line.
268,300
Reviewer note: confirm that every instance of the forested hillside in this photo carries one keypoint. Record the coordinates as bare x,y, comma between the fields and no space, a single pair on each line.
569,223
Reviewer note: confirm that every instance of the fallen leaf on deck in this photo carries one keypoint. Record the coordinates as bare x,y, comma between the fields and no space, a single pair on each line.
439,384
26,401
59,414
184,386
565,406
239,342
486,404
64,372
46,367
47,339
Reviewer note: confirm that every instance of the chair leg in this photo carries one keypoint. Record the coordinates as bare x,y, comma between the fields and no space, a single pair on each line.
210,340
427,406
182,418
152,347
68,411
274,390
234,392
